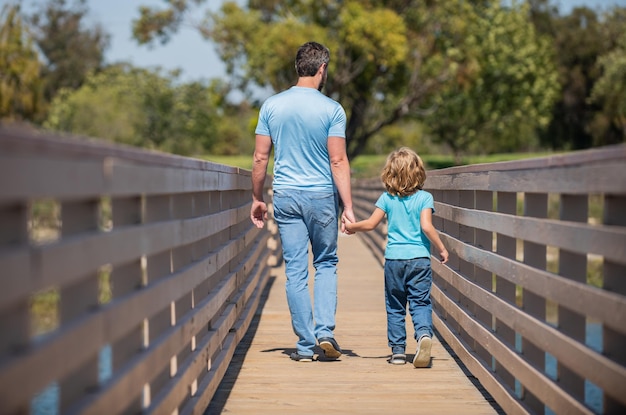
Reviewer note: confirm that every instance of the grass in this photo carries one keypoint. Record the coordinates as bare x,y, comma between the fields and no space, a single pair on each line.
370,165
241,161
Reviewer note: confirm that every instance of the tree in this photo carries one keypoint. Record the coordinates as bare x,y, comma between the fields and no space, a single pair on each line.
70,49
391,59
610,92
580,38
142,108
509,91
20,85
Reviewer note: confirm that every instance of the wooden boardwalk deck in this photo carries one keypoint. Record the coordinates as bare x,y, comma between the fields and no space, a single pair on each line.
263,380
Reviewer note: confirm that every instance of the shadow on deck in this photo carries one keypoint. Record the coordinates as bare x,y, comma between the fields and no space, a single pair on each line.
262,379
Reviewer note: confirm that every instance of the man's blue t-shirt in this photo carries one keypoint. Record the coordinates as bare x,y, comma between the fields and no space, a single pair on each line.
299,120
405,239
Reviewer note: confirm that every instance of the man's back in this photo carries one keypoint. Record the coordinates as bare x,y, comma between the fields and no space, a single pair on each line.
299,121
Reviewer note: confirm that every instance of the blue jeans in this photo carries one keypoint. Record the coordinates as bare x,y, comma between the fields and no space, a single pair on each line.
305,217
407,280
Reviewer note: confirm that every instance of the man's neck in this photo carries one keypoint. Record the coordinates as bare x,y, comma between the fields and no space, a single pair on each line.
308,82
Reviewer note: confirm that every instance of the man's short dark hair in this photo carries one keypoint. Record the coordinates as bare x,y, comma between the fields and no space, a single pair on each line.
310,57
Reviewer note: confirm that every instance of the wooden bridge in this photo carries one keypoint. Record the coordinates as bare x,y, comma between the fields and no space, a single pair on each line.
134,282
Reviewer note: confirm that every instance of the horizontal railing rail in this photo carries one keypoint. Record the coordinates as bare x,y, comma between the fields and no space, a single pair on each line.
127,277
533,299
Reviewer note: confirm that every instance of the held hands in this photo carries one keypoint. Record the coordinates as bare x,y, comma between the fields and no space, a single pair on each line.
258,213
347,218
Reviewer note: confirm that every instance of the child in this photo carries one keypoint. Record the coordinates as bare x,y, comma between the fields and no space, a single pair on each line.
408,276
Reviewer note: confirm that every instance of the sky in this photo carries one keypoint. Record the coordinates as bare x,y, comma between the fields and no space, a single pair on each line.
187,50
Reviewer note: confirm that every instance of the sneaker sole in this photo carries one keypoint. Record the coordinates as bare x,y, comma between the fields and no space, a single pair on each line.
398,361
422,356
301,359
329,350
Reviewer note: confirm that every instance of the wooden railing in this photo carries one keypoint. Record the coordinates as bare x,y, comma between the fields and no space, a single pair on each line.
533,299
127,277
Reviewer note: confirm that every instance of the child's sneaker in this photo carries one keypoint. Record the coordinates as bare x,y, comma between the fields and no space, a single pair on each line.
299,358
422,354
398,359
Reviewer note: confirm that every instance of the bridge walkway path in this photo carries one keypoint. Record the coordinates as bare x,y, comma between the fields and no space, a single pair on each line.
261,378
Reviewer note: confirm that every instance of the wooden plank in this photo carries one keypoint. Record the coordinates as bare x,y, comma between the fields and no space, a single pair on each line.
114,397
593,302
23,178
244,308
361,381
595,178
20,141
541,386
579,358
509,404
608,241
129,179
39,267
592,156
60,353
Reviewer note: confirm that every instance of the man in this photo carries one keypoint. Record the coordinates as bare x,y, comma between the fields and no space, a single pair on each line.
311,172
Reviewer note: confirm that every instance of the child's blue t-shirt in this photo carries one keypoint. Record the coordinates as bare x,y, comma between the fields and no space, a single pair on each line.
299,121
405,239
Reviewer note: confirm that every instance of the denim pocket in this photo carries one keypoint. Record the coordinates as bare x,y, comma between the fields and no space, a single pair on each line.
322,208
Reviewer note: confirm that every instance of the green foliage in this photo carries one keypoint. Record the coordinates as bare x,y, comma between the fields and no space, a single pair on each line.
506,90
610,92
71,49
390,60
581,38
403,133
44,310
142,108
20,84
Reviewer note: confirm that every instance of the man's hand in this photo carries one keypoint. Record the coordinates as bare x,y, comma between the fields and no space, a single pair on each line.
258,213
347,216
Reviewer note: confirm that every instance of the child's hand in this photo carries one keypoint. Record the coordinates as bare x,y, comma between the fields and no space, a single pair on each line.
443,256
346,224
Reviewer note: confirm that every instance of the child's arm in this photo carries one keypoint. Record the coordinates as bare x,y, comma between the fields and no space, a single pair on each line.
367,224
426,223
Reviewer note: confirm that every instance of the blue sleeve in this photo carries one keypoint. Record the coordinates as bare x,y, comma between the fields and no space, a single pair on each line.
338,123
262,126
428,202
381,203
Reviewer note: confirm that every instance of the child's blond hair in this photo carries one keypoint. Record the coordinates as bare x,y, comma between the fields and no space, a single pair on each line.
404,172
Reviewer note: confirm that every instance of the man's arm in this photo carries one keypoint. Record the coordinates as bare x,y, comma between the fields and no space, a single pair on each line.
340,167
260,160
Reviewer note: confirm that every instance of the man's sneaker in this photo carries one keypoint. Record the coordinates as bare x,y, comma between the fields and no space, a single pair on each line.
330,347
299,358
422,354
398,359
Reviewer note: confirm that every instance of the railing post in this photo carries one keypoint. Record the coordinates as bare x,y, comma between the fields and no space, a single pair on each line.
124,280
15,321
182,256
158,266
506,247
484,278
466,234
535,205
573,266
80,298
452,229
614,343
